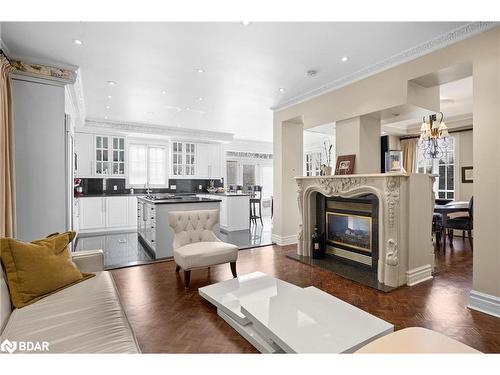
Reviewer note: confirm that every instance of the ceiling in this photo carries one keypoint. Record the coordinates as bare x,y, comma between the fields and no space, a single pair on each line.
244,66
455,103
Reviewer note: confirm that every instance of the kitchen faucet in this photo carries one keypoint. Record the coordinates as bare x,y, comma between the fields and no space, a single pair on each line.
148,190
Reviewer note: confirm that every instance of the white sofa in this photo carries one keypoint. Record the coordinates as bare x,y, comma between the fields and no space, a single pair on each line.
84,318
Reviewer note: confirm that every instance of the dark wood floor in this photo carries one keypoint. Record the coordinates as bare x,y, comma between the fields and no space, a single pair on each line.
167,319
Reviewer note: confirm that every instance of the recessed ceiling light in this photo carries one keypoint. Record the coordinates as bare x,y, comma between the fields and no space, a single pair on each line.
311,73
200,98
77,41
105,117
200,70
110,97
163,92
112,83
281,89
344,59
108,107
245,23
188,108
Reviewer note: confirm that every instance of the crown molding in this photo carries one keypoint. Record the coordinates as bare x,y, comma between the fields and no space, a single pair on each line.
422,49
170,131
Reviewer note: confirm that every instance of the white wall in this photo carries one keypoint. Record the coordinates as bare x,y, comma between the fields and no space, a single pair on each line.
40,159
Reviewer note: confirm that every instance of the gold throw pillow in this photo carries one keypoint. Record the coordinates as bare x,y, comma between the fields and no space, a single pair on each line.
39,268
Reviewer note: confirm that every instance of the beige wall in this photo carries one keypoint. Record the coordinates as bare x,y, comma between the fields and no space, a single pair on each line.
388,89
360,136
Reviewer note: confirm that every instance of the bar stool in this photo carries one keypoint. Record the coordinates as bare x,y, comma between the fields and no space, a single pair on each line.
256,201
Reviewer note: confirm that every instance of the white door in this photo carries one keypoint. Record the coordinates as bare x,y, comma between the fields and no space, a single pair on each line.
132,211
92,213
84,149
116,211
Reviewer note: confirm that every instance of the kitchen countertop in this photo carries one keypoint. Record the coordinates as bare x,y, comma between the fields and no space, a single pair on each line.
129,195
185,199
230,194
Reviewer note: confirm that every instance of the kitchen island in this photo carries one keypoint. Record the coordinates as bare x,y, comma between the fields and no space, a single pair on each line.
154,233
234,210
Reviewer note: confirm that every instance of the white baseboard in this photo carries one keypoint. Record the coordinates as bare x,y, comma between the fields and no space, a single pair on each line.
485,303
418,275
284,240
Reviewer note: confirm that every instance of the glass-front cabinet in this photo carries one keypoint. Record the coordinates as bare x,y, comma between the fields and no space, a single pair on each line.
118,162
183,159
101,155
190,158
109,153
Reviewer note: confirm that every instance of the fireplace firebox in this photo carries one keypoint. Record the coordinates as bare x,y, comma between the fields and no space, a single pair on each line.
350,228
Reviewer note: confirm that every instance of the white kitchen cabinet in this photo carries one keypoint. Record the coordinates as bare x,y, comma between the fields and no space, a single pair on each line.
105,214
117,156
184,160
215,161
132,211
116,212
92,213
208,161
202,160
84,150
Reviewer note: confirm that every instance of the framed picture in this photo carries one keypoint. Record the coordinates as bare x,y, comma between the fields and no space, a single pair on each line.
345,164
467,175
394,161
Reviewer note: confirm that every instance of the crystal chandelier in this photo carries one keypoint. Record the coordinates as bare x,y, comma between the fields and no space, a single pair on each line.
433,135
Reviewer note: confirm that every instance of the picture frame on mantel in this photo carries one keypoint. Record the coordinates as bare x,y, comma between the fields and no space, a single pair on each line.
467,175
345,164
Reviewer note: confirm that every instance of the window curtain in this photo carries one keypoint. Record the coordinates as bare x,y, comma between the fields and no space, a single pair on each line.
409,148
7,198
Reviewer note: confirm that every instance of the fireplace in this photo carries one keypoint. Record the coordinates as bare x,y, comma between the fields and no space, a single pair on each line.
350,228
388,241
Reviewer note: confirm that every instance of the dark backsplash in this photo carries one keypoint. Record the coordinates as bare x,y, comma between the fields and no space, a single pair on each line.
96,186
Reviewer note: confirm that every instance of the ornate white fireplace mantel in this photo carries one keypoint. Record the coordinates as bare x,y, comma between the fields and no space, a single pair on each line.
406,254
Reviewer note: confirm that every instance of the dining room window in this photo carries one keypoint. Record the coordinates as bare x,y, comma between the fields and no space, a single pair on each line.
443,167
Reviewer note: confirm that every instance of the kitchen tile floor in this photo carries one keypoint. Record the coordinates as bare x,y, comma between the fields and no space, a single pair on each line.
120,249
124,249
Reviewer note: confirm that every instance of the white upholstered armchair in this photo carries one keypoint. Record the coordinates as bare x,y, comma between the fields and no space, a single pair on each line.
196,245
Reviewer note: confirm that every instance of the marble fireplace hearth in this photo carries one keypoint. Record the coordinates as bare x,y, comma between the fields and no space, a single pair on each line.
404,253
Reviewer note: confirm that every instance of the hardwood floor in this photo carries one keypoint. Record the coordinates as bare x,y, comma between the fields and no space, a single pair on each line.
168,319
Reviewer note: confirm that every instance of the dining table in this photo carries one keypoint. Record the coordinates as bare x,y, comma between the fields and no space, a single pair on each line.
447,209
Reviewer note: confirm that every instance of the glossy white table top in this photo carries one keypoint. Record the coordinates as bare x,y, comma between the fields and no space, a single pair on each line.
298,320
312,321
226,295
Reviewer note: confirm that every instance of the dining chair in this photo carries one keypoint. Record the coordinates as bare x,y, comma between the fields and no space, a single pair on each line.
463,223
437,228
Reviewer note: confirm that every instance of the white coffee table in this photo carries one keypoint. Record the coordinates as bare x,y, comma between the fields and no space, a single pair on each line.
277,316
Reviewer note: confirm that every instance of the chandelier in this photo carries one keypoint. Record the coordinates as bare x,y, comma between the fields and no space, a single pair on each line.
433,135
